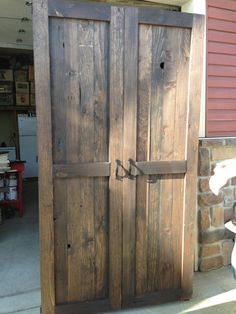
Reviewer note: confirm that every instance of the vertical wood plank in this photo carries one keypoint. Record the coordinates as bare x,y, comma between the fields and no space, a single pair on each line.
101,127
154,196
58,75
169,125
80,130
116,152
195,77
143,153
129,147
44,135
181,113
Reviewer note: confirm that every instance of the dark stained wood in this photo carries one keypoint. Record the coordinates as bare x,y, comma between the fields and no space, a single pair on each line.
94,307
73,9
195,73
165,18
96,169
137,3
101,152
162,296
120,92
143,153
116,152
155,131
129,151
58,96
180,133
158,167
44,137
87,107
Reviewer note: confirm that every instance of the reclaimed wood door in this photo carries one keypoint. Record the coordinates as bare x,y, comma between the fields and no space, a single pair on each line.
118,97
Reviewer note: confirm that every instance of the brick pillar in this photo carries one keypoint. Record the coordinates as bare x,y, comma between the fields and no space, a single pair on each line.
215,242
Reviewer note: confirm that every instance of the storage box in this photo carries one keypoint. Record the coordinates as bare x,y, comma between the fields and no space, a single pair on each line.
6,87
6,99
32,99
32,87
21,76
31,72
6,75
22,99
22,87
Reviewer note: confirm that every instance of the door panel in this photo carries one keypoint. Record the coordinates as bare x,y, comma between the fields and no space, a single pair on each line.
162,117
79,84
122,155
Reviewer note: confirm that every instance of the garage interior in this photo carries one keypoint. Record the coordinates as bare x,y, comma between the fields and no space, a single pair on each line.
19,244
19,230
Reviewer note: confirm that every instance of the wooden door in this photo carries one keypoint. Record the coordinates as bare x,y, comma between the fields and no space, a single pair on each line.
118,97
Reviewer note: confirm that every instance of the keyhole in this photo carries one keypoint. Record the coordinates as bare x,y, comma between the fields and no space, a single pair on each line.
162,65
68,246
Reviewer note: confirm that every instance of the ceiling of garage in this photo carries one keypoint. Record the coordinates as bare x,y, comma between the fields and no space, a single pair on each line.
16,22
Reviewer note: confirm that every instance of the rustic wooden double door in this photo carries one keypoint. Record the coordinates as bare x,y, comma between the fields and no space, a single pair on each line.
118,93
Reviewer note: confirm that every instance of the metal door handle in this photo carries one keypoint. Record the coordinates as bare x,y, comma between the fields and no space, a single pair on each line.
130,161
117,168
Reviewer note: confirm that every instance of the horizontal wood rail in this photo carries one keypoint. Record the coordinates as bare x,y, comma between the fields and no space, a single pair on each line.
165,18
92,307
91,169
102,12
73,9
157,167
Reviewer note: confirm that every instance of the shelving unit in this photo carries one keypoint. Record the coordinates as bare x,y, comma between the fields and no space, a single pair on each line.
17,108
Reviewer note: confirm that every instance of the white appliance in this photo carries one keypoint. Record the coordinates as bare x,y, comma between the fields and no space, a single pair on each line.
28,145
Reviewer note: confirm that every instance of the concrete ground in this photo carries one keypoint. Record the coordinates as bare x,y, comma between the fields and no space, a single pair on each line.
214,292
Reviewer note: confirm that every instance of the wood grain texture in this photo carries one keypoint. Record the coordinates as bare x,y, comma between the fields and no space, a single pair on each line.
96,169
180,143
164,18
82,258
143,153
101,154
154,196
88,240
192,153
75,9
44,136
136,3
158,167
116,152
161,130
58,96
119,93
101,306
129,150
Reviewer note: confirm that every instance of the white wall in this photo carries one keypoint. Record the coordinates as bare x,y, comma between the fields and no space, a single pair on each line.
199,7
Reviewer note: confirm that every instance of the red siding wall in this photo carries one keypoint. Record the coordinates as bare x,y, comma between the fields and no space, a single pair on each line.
221,68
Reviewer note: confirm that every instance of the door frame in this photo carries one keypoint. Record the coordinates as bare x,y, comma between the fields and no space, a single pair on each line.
44,131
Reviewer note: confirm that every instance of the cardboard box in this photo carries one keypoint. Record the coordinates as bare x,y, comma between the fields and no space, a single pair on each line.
6,99
6,87
32,99
22,87
32,87
31,72
21,76
6,75
22,99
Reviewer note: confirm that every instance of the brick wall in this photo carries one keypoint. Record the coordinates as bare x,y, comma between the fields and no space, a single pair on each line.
215,242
